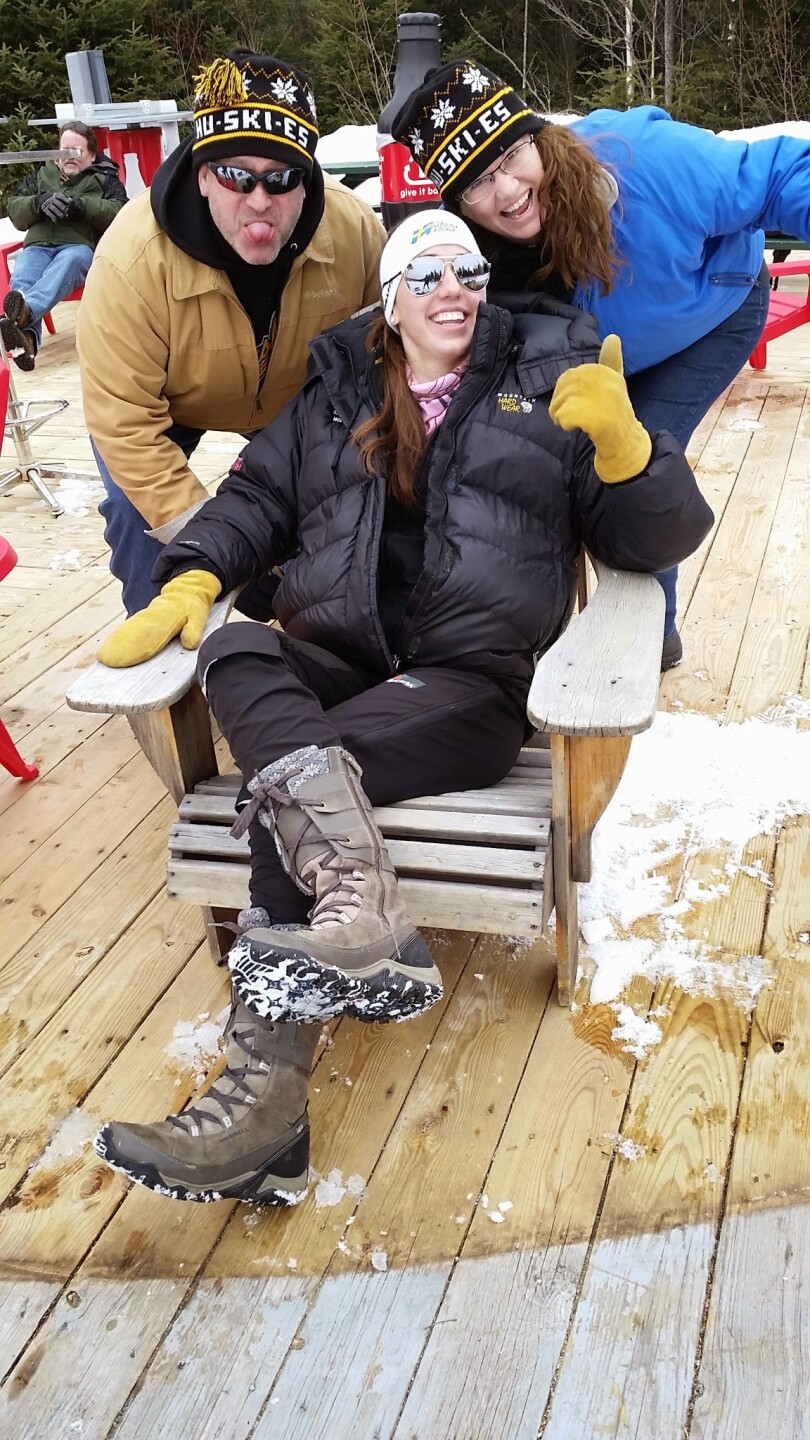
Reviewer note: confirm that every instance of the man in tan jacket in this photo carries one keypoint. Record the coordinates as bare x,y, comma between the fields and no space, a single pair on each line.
203,295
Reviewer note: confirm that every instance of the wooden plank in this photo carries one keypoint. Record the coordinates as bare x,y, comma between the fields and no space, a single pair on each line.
409,857
39,978
57,1070
51,873
718,612
491,909
44,808
755,1334
400,820
22,1305
680,1116
601,676
490,1375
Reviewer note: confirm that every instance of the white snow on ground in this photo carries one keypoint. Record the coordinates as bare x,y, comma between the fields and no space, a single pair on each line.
66,560
76,1131
379,1259
195,1044
78,496
331,1188
692,786
638,1034
628,1149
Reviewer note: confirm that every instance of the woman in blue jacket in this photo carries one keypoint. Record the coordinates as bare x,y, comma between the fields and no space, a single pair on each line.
653,226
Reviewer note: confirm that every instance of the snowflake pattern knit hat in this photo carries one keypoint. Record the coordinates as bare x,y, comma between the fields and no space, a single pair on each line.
254,105
416,235
459,120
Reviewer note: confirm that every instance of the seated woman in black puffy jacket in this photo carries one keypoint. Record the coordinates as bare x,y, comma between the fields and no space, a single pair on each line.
431,495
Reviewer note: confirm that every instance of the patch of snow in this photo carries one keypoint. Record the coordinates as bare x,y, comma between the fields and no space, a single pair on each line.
195,1044
496,1217
628,1149
504,1205
356,1186
712,1173
379,1259
329,1190
66,560
639,1035
692,786
73,1133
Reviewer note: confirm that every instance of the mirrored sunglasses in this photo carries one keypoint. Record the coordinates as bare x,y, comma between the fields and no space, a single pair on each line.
425,273
275,182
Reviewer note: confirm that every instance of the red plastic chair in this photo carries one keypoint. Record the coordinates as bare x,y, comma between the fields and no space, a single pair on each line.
8,248
785,312
10,757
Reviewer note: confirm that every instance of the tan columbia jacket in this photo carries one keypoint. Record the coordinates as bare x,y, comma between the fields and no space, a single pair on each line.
162,338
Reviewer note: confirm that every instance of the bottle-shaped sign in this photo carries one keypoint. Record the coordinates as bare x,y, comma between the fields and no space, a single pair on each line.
403,184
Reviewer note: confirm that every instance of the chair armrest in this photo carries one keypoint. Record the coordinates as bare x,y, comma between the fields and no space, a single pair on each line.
154,685
601,676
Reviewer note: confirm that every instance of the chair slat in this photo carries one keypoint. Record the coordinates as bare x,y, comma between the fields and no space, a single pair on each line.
410,857
491,909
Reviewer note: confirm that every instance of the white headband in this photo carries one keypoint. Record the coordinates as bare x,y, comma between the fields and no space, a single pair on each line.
421,232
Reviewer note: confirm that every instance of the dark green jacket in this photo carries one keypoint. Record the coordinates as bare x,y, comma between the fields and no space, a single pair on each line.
98,188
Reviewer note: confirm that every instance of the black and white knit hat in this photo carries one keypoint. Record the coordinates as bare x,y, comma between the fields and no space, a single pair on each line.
459,120
254,105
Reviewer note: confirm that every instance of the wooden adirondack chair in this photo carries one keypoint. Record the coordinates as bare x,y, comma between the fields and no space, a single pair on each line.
497,860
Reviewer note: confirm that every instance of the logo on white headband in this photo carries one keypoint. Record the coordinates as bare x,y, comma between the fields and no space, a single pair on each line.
434,227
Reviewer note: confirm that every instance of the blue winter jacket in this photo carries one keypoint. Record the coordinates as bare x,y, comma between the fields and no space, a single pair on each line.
689,224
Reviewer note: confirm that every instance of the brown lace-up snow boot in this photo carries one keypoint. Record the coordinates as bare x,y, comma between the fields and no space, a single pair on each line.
361,955
246,1139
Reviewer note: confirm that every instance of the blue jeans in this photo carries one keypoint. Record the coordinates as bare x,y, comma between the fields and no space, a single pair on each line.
676,394
133,553
46,274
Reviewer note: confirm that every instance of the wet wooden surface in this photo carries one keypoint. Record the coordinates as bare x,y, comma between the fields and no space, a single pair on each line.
656,1298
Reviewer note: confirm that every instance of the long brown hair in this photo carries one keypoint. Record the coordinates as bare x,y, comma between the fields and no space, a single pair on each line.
577,228
396,431
577,234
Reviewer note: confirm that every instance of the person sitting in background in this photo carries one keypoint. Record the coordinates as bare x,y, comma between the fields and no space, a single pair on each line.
432,498
64,206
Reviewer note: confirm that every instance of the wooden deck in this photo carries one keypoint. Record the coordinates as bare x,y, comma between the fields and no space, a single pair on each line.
657,1299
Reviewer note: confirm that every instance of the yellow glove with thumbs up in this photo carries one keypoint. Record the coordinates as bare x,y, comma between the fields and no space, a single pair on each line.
181,608
594,398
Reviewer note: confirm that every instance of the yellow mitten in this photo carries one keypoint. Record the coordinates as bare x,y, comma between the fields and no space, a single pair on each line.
181,609
594,398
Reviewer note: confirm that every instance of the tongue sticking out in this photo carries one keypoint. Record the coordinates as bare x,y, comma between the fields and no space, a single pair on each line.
259,232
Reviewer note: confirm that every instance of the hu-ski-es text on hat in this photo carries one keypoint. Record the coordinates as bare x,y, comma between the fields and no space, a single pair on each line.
254,105
460,120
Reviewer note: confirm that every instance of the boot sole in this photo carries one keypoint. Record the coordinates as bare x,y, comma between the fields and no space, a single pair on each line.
16,308
279,983
17,340
264,1188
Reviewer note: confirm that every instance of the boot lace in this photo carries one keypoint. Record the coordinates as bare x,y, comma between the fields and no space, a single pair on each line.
337,894
265,790
192,1120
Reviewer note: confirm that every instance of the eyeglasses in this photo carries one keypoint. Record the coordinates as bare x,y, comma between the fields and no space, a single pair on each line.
426,272
510,164
275,182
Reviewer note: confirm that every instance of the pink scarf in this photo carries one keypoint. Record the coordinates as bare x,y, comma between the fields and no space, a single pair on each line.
433,396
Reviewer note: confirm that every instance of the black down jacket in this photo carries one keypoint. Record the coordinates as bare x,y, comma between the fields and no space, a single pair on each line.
511,498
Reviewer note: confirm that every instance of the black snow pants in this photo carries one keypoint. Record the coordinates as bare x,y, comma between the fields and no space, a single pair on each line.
423,732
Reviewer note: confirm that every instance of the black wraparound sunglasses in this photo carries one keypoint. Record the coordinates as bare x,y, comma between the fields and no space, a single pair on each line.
275,182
